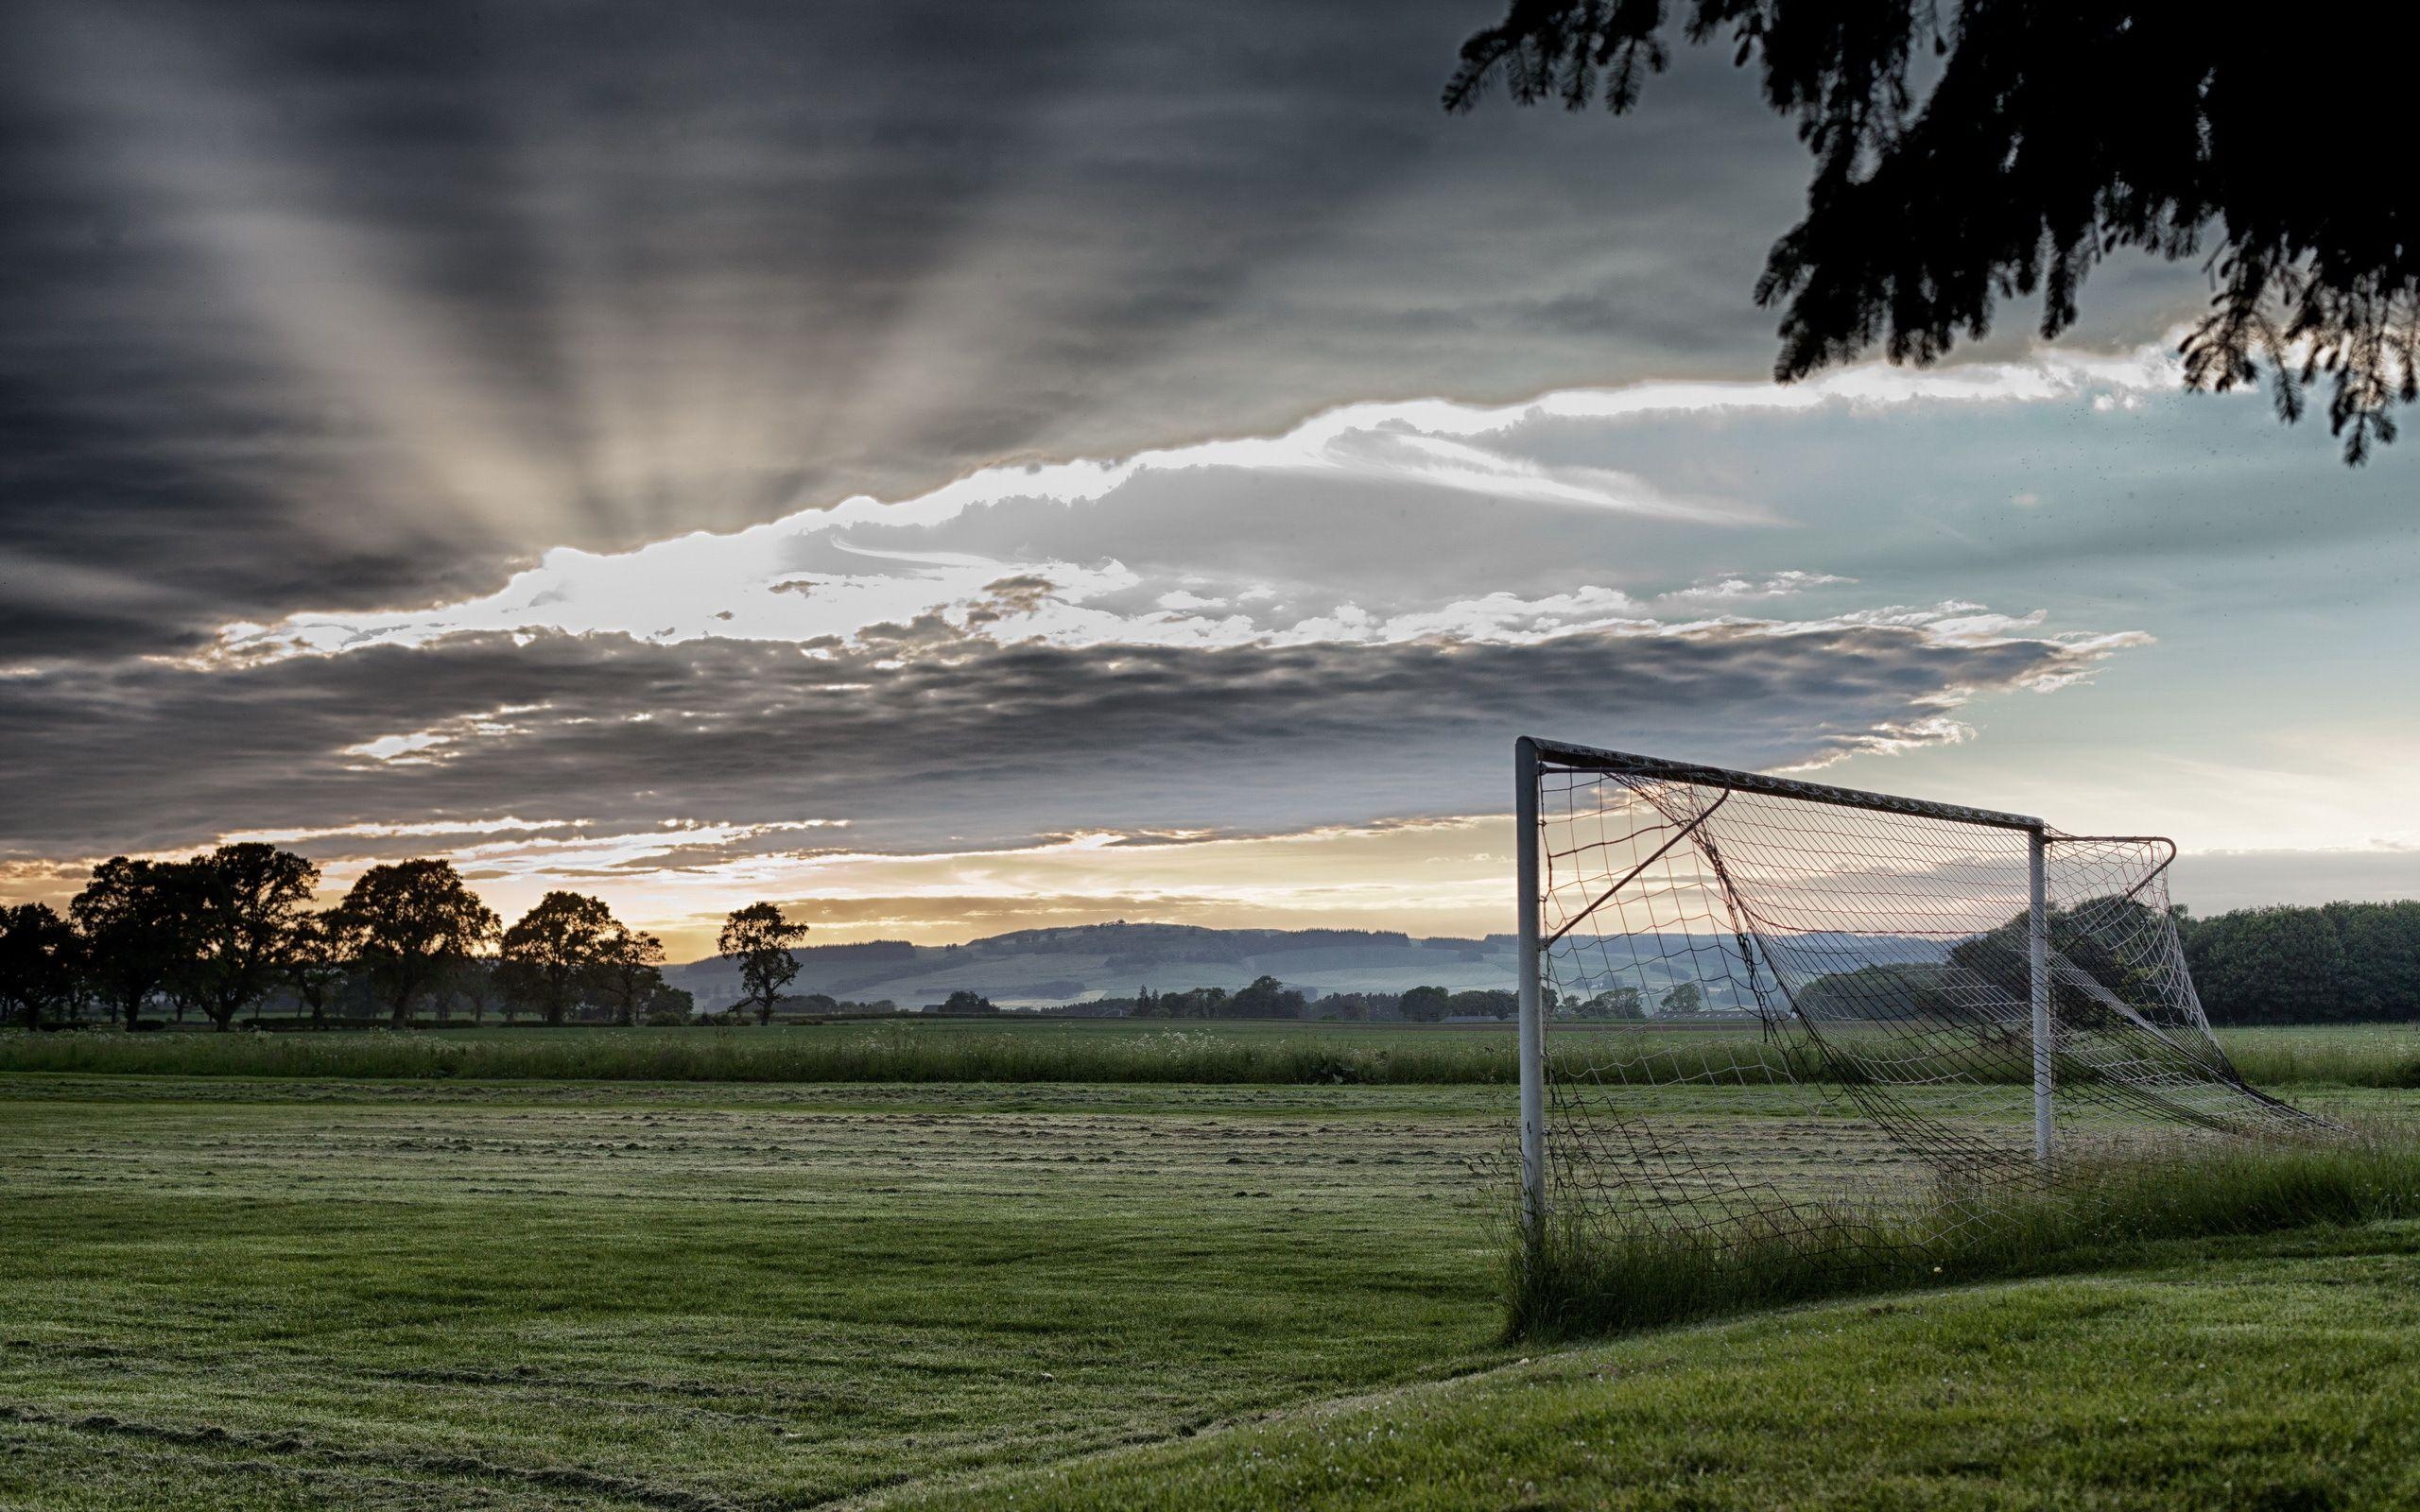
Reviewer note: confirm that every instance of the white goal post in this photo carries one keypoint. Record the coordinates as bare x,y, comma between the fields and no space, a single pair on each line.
1920,972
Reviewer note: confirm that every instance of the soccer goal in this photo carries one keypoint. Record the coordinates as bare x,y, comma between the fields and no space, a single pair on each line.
1746,999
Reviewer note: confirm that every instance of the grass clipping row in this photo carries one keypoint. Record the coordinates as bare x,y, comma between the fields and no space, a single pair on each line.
1587,1276
1098,1052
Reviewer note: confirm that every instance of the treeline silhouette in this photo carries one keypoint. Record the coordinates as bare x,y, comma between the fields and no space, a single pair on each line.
217,934
2337,962
232,930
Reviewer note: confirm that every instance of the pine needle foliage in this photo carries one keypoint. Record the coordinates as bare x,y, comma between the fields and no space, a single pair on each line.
1969,153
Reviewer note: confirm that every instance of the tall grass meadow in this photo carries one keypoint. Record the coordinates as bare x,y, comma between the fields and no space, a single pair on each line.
1584,1278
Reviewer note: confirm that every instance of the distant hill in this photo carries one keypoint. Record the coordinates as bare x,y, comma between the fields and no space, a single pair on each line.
1037,968
1045,968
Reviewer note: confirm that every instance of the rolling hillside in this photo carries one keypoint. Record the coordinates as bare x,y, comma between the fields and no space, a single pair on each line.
1038,967
1046,968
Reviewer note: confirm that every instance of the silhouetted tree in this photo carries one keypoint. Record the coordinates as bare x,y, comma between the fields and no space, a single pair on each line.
1613,1003
667,1005
1884,991
474,979
553,951
2051,136
1196,1003
2341,963
131,919
39,960
408,922
1427,1004
316,963
1484,1003
2109,938
2382,948
1266,998
1684,997
629,970
2287,964
759,939
243,909
1358,1007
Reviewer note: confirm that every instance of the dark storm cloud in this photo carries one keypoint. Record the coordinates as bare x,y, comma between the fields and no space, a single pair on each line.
315,306
923,737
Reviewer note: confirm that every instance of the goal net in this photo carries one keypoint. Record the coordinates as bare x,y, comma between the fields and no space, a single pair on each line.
1752,1001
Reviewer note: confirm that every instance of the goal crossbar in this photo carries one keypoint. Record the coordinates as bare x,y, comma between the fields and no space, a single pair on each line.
1594,759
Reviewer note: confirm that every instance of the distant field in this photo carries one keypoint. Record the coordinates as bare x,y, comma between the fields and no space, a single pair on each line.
1079,1051
2351,1055
1248,1052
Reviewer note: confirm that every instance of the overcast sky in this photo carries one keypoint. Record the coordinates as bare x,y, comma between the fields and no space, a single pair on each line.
949,468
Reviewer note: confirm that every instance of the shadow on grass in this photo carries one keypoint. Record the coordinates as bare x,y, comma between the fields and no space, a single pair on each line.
1590,1277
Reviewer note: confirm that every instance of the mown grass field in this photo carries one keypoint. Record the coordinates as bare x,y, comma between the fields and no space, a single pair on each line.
2278,1374
349,1291
1076,1051
295,1296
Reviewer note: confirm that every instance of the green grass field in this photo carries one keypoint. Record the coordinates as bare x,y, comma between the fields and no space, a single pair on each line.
292,1296
2277,1374
342,1291
1216,1052
1089,1050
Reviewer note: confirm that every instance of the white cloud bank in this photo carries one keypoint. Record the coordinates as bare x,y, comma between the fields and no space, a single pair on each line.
823,576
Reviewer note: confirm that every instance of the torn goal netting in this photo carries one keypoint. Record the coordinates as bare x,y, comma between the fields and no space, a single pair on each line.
1772,1003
